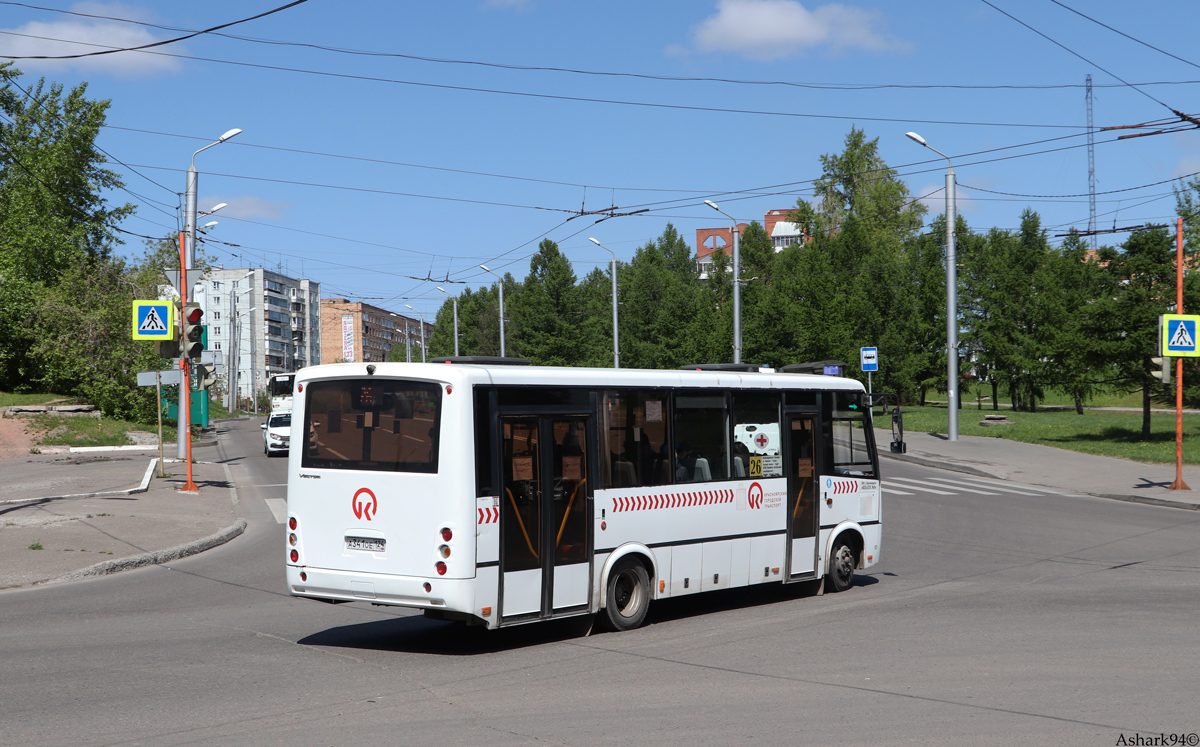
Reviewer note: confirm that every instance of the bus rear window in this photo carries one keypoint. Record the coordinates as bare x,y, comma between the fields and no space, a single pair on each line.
383,425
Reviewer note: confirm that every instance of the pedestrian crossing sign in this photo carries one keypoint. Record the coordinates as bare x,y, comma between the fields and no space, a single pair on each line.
154,320
1178,337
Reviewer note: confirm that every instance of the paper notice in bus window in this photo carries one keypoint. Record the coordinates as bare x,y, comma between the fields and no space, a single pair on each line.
772,466
653,411
522,468
572,468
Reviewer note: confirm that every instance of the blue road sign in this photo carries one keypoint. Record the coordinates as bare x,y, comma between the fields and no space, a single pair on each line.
1179,335
154,320
869,358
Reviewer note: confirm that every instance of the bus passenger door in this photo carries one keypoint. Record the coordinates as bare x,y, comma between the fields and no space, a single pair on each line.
802,475
544,516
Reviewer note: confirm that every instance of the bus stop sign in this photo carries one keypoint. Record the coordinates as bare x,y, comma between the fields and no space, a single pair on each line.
869,358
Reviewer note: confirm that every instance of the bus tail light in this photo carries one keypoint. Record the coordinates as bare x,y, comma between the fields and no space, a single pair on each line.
447,535
444,551
441,567
427,586
292,523
295,555
292,539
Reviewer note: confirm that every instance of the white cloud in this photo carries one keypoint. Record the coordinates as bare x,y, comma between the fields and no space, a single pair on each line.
245,207
775,29
75,35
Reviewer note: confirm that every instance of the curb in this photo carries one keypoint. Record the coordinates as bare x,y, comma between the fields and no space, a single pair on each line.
141,488
156,558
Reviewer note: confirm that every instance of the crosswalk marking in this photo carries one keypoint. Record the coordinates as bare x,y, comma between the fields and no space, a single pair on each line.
1003,483
924,488
956,486
889,489
278,508
1002,489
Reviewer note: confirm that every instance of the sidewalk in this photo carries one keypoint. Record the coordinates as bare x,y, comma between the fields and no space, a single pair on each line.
1069,471
100,513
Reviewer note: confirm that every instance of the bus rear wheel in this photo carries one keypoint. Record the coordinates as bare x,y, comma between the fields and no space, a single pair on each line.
628,596
841,566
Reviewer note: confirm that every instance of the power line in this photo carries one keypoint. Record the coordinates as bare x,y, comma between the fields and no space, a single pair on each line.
610,73
1127,36
582,99
143,47
1073,52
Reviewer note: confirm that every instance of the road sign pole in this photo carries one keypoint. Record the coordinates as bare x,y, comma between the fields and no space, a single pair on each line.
1179,484
158,390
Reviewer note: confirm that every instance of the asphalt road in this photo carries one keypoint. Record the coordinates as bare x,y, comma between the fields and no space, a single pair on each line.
999,615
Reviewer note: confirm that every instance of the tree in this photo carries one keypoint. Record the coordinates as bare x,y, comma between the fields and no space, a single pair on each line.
1141,276
547,312
54,224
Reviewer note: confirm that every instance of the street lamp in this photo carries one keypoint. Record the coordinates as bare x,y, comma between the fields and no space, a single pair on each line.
616,332
422,315
737,285
190,202
951,292
455,300
499,284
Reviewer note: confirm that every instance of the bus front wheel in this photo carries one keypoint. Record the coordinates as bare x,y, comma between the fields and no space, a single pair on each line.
628,596
841,566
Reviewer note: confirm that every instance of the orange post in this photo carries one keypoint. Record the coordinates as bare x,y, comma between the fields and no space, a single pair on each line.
184,420
1179,484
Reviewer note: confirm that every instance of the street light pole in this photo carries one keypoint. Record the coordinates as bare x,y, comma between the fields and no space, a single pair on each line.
737,284
951,292
455,300
500,285
616,330
187,262
421,314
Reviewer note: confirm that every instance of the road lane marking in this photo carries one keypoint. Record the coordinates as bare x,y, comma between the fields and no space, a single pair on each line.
278,507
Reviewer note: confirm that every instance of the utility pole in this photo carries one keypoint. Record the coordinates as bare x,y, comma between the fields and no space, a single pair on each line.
1091,148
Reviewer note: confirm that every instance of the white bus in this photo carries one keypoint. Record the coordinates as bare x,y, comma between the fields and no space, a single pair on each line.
279,387
507,494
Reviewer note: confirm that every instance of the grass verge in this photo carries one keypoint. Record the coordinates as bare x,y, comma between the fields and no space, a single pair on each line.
10,398
1117,434
82,431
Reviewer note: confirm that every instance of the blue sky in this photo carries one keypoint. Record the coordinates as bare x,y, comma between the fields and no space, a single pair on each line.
454,143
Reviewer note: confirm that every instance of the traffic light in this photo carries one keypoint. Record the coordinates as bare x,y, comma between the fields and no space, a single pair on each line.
193,330
167,348
206,376
1164,372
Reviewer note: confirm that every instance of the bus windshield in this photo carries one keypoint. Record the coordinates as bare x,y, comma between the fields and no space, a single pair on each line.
387,425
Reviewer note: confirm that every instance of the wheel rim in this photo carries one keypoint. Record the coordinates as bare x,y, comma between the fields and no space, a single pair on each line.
843,565
627,593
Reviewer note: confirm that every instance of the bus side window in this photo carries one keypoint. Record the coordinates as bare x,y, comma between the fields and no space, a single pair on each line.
635,449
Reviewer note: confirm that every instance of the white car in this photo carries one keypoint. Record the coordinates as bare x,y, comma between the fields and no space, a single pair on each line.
277,432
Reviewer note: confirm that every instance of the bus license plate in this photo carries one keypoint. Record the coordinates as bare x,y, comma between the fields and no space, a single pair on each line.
365,543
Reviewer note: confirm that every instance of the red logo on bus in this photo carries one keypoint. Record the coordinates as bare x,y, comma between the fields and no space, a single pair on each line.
761,440
364,509
755,494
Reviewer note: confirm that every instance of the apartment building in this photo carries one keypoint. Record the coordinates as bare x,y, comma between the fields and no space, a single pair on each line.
356,331
263,322
783,233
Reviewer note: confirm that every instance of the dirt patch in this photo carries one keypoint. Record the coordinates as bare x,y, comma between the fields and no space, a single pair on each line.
15,440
